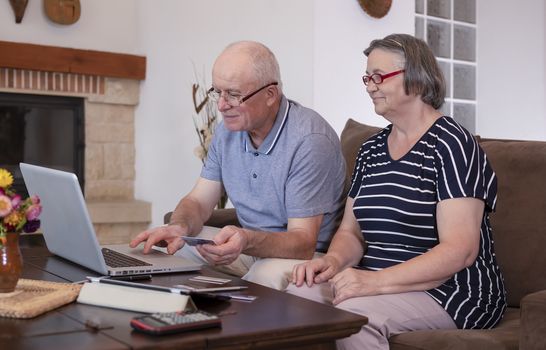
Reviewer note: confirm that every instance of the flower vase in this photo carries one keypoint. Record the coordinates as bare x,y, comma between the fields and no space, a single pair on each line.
11,262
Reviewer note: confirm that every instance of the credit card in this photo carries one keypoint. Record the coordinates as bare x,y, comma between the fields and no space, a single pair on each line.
193,241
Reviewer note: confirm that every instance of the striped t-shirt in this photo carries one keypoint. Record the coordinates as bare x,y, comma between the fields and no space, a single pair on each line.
395,205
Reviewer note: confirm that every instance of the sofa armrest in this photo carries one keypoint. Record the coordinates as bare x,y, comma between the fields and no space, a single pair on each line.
167,217
533,321
223,217
219,218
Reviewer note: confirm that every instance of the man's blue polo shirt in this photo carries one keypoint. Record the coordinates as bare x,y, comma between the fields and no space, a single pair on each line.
297,172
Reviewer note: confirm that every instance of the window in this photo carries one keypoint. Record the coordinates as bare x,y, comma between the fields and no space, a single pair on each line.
449,28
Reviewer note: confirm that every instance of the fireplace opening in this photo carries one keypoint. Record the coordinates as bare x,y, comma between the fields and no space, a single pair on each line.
41,130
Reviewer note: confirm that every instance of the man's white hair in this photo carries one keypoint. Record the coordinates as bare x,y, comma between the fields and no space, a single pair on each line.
263,60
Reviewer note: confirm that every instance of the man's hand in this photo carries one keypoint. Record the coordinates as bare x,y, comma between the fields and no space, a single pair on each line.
187,218
169,236
230,243
315,271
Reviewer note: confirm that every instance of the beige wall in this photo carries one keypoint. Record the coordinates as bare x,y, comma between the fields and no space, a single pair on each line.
511,69
318,43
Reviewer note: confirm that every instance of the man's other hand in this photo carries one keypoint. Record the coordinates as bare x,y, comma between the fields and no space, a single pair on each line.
230,243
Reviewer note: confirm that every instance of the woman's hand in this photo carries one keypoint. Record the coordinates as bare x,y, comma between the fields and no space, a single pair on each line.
351,283
315,271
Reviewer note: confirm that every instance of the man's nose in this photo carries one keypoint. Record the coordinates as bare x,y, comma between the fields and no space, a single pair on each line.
222,104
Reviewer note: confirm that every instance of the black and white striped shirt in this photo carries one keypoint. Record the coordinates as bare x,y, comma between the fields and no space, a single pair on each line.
395,205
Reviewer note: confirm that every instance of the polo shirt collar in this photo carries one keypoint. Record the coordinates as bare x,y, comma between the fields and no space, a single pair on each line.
273,136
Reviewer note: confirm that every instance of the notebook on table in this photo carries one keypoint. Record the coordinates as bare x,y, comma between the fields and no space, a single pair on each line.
69,233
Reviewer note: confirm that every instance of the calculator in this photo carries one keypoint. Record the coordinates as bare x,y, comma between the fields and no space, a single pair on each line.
174,322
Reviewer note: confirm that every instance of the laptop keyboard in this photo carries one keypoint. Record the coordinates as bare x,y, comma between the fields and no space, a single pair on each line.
116,259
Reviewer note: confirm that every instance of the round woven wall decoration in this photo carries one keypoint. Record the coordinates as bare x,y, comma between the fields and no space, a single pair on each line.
375,8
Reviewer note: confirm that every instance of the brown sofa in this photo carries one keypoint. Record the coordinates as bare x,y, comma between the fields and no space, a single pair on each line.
519,229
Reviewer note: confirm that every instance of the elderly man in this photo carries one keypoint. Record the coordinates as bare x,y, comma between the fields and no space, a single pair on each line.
281,166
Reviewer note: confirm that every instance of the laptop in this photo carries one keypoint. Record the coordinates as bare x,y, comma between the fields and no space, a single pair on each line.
69,233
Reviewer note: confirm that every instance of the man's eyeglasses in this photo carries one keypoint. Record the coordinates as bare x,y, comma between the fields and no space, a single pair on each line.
234,99
378,78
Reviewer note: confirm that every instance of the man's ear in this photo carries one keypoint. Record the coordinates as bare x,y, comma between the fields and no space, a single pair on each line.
272,95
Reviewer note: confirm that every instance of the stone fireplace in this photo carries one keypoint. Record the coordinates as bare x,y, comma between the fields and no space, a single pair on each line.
109,83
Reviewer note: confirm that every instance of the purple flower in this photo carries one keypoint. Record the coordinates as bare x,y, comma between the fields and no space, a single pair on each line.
31,226
33,212
16,201
35,199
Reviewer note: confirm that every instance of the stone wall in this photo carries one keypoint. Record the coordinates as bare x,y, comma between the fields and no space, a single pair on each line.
109,144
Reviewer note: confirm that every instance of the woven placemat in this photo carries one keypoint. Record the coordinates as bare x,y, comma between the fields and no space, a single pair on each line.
33,297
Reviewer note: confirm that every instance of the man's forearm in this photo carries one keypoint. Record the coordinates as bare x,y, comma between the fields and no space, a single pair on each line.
189,213
290,245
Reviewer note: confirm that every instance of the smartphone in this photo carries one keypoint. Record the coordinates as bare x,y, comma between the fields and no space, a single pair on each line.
174,322
193,241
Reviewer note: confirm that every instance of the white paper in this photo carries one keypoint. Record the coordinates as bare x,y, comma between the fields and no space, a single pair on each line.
133,299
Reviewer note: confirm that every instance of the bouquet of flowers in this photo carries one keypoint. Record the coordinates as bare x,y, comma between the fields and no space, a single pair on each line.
16,214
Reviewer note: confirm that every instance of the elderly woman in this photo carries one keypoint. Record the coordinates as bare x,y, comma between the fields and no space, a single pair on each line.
414,250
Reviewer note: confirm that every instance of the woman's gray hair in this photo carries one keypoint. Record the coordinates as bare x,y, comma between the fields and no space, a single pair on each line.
422,74
265,65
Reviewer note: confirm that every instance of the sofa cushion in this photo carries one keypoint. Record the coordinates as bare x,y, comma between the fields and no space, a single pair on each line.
533,327
519,223
352,137
504,336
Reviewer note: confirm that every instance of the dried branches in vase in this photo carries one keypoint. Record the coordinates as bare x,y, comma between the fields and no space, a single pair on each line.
205,121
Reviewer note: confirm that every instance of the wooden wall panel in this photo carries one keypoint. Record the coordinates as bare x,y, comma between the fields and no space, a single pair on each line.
67,60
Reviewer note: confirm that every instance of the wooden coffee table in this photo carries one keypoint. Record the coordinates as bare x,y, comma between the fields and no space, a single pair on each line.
275,320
